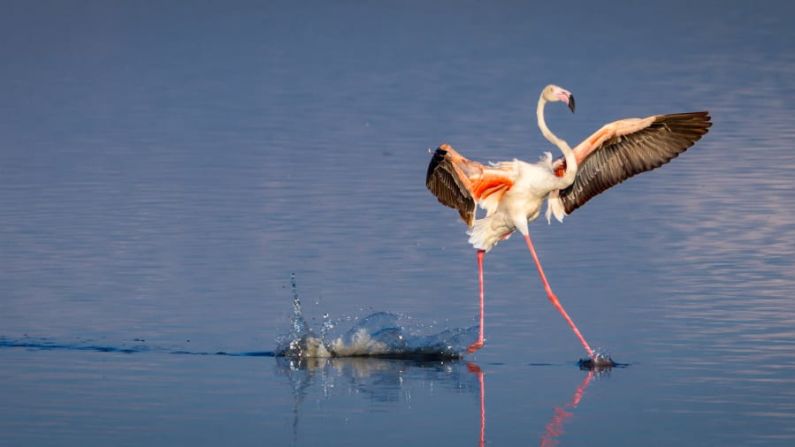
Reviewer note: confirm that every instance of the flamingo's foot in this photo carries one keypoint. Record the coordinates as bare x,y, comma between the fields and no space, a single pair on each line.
474,368
475,346
597,361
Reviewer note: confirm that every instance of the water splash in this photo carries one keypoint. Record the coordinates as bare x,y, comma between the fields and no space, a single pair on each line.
301,341
381,334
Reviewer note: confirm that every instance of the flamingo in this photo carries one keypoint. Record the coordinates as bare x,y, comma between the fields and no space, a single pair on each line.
512,192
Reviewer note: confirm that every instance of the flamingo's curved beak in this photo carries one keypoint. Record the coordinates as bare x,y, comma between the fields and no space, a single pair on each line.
566,97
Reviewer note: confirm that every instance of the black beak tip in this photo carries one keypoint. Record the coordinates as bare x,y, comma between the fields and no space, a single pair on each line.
571,103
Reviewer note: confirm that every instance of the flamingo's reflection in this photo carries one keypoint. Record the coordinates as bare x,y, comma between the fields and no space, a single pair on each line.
475,369
554,428
383,380
379,379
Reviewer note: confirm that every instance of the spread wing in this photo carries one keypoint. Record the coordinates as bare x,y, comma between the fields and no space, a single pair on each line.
462,184
625,148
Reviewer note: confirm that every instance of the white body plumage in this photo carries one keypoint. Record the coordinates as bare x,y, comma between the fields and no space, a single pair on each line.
533,183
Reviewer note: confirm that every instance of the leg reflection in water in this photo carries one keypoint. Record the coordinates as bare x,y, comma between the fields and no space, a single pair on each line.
475,369
554,428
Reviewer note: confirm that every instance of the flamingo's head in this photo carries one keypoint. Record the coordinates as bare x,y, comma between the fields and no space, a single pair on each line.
554,93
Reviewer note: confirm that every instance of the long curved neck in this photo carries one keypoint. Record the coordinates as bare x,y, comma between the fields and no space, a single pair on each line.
568,154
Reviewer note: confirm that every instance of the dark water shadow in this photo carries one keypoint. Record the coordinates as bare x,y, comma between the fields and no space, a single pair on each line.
135,347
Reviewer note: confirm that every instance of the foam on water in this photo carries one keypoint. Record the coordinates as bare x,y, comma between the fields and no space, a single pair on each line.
380,334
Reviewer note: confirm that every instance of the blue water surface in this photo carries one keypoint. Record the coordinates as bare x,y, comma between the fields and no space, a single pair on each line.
166,166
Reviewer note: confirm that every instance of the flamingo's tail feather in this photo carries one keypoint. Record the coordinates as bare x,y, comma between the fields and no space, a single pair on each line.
555,208
487,232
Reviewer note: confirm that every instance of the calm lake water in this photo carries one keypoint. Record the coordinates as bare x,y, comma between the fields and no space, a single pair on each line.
166,166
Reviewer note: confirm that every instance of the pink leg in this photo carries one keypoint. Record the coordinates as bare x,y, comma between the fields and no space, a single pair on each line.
554,299
479,344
